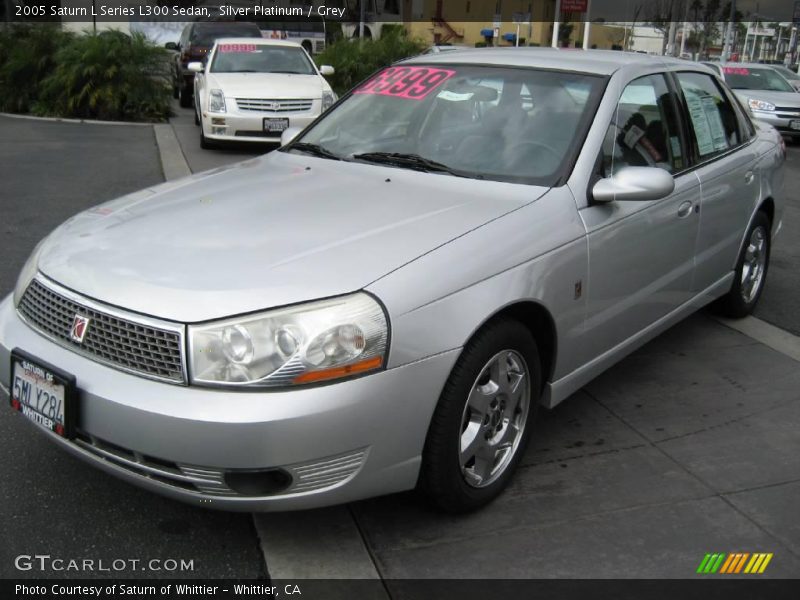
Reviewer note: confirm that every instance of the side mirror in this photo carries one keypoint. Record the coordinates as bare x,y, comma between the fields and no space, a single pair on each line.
634,183
289,134
326,70
195,67
171,46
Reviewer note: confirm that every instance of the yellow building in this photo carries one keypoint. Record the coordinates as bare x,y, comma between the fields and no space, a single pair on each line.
470,22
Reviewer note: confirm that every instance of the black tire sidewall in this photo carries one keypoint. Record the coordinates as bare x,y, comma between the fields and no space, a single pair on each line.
441,478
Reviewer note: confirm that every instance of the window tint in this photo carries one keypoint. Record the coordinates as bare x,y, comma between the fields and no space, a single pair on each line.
644,131
712,118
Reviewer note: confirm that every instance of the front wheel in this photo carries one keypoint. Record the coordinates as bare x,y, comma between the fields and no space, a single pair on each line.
483,419
205,143
751,271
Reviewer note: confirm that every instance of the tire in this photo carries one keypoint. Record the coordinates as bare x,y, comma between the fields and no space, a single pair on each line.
460,471
186,97
751,271
205,143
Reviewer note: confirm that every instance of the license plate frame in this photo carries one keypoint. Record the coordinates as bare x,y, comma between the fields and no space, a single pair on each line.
52,378
794,124
275,125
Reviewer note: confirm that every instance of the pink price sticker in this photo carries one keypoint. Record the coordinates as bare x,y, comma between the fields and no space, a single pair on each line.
735,71
237,48
411,83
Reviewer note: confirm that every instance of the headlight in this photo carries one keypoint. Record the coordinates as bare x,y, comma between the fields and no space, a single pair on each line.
313,342
760,105
27,274
216,101
328,98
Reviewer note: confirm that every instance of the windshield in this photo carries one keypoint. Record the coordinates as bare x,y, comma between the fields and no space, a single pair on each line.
260,58
506,124
787,73
207,35
744,78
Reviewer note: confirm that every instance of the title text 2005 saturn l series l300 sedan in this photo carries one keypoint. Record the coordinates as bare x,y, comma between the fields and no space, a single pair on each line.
384,303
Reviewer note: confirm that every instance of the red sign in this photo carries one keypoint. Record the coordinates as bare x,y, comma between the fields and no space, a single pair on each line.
578,6
411,83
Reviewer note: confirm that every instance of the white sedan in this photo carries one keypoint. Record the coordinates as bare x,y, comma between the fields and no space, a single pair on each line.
251,90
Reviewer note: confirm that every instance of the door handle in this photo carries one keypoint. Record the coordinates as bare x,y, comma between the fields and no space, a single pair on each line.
748,177
684,209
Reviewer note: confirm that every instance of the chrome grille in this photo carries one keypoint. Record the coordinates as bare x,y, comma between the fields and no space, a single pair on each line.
274,106
110,339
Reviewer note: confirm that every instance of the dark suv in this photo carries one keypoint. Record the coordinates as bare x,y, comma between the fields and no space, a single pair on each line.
196,40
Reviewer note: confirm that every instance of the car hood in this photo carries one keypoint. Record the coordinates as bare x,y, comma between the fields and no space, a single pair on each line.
267,85
776,98
268,232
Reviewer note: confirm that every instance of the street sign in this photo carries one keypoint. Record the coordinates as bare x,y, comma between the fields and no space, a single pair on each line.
578,6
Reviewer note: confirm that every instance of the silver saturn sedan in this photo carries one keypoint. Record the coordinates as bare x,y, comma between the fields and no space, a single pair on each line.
385,302
765,91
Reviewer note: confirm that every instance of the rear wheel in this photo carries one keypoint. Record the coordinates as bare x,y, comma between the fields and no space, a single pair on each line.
751,271
186,97
483,419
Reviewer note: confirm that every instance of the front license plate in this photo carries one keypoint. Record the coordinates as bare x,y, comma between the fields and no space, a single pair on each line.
795,124
42,393
275,125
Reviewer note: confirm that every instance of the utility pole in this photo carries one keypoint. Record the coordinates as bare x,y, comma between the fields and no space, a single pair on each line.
727,50
362,10
556,19
673,29
587,28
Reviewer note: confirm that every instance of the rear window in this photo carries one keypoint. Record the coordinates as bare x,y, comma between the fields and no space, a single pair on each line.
206,35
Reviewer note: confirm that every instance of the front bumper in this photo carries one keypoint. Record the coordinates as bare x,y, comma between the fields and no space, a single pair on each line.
237,125
339,442
780,120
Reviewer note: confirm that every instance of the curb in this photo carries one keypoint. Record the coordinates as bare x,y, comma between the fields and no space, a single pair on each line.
314,544
64,120
173,162
771,336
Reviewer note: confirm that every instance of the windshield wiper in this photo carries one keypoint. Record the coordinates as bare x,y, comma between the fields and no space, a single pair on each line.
411,161
315,150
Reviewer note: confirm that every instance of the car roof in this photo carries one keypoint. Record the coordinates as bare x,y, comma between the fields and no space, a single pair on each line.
258,41
602,62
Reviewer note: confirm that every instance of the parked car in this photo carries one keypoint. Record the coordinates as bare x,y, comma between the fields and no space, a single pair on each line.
252,90
385,302
766,93
791,76
196,40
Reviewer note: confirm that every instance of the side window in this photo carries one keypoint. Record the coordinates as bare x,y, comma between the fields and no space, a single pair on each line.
746,128
712,118
644,131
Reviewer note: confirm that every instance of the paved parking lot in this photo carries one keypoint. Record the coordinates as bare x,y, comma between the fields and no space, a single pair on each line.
688,446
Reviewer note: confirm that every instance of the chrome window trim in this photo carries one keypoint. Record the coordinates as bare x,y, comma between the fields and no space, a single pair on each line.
113,311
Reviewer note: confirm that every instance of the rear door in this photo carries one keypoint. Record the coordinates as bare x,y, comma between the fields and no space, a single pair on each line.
724,158
641,254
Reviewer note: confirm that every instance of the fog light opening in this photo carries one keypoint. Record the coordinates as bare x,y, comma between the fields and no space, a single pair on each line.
258,483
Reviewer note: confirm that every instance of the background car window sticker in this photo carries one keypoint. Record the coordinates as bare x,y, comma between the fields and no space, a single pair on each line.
735,71
238,48
410,83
